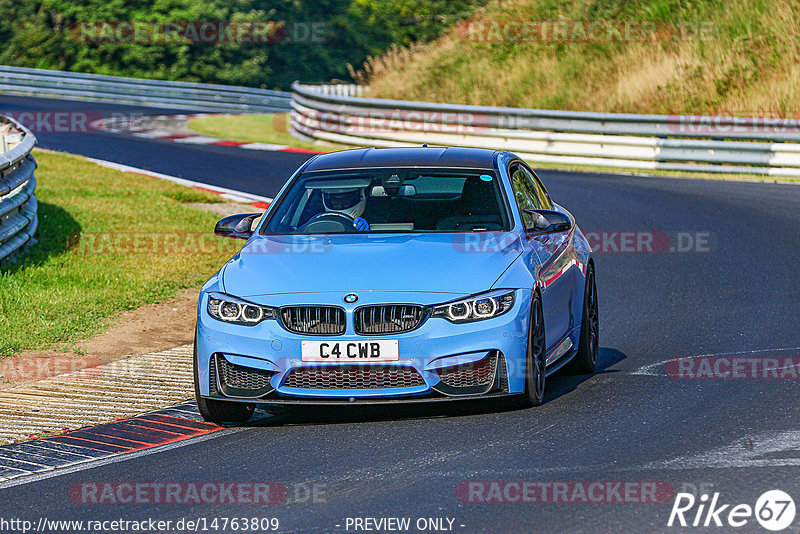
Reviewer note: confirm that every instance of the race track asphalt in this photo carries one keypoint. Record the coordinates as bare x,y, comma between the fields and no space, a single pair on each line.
256,171
735,295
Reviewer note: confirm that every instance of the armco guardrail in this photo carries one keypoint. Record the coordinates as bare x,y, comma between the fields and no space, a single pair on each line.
143,92
338,114
18,219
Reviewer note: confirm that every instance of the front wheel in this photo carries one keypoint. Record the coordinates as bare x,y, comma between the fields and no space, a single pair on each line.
220,411
585,360
535,372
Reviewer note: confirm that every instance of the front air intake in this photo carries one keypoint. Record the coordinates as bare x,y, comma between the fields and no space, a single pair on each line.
314,320
238,381
470,378
353,377
388,319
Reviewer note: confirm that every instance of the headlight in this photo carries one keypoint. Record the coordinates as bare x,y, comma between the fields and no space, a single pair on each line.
477,307
237,311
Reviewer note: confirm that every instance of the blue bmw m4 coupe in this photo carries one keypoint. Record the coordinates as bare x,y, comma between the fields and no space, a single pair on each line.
397,275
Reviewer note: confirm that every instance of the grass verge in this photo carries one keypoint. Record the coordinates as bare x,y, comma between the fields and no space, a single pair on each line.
108,241
270,128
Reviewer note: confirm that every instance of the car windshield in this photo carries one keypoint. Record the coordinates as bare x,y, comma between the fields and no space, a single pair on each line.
391,201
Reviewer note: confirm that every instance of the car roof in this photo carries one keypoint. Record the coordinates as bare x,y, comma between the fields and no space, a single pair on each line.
365,158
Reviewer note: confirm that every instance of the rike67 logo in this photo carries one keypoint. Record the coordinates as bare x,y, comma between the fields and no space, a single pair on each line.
774,510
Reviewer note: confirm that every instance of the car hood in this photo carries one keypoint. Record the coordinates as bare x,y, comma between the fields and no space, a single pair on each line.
444,263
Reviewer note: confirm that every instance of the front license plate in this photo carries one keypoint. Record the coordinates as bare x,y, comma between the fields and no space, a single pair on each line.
385,350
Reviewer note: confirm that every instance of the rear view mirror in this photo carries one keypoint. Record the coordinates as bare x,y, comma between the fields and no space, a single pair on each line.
547,222
402,191
236,226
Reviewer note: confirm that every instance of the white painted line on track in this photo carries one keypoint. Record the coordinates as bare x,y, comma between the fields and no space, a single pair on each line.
231,194
152,134
767,449
263,146
196,140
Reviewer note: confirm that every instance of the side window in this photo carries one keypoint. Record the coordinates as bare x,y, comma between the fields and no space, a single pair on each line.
524,193
541,192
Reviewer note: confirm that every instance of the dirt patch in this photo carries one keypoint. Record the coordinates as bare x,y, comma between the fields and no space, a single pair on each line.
150,328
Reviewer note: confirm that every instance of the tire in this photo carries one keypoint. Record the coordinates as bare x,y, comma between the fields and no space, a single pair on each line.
585,360
219,411
535,371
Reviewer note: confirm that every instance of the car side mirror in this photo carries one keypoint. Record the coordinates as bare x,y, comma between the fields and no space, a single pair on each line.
547,222
236,226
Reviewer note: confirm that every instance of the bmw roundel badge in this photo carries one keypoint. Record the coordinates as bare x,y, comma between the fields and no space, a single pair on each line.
350,298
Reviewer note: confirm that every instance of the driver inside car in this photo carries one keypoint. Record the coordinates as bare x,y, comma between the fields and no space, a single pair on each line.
348,201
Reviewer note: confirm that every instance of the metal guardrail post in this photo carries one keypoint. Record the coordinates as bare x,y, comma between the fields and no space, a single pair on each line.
18,207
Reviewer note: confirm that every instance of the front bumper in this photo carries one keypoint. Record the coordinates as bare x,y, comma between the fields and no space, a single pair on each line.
437,355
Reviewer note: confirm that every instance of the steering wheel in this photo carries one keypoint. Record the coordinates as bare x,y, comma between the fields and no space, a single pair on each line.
329,222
